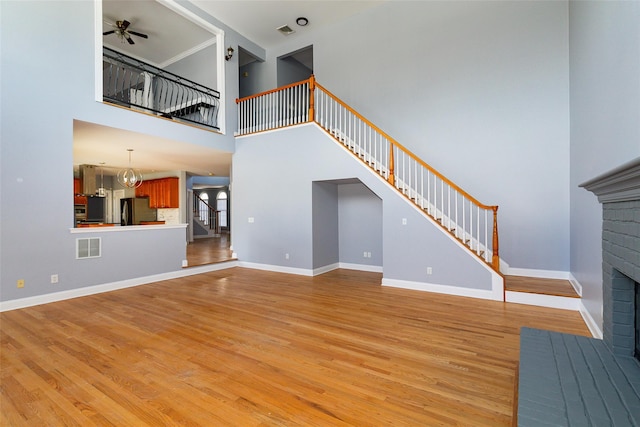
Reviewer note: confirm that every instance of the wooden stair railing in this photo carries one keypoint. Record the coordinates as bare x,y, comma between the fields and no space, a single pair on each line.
460,214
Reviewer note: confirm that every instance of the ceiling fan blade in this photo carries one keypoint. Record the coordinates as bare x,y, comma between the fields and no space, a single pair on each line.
129,39
135,33
106,33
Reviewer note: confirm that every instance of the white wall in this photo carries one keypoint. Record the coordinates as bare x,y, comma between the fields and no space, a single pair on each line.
479,90
605,122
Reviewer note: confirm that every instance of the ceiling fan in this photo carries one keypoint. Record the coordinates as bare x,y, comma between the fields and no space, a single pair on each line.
121,29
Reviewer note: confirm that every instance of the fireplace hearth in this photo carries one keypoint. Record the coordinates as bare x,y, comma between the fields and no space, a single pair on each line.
571,380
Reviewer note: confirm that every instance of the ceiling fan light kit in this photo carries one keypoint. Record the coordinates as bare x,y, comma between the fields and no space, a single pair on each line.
121,29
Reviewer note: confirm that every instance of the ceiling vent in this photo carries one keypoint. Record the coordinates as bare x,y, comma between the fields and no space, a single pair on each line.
286,30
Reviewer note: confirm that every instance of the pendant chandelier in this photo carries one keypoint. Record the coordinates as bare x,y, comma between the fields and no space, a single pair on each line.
130,178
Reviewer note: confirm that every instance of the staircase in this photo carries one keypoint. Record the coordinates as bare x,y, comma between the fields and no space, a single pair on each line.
553,293
472,223
205,219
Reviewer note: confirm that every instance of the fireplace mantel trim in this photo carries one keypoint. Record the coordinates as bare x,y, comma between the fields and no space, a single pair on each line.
621,184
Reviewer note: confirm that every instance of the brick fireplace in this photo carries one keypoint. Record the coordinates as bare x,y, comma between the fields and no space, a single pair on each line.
566,380
619,193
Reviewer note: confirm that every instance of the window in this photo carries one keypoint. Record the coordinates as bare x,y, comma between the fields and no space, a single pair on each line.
203,209
221,206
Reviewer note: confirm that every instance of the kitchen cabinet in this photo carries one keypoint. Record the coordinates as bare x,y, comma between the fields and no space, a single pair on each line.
162,193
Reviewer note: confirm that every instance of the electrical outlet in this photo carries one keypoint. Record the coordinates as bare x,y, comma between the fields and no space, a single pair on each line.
54,278
20,283
404,221
368,254
429,270
364,254
286,256
251,220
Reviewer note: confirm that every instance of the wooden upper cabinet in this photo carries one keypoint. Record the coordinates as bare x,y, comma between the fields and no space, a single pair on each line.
162,193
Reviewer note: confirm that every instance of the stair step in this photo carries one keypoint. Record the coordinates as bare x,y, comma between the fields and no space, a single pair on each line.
536,285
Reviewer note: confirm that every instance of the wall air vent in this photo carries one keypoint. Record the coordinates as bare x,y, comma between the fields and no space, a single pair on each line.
88,248
285,29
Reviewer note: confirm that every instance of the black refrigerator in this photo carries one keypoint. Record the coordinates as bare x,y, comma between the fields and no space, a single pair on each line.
133,210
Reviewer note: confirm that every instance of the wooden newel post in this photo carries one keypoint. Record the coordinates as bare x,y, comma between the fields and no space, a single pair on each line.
312,87
495,260
392,177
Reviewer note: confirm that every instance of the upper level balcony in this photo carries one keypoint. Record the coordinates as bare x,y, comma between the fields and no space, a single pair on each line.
132,83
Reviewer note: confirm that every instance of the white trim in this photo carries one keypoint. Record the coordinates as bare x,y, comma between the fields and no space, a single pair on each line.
361,267
542,274
119,229
550,301
98,55
442,289
276,268
595,330
325,269
576,285
205,44
108,287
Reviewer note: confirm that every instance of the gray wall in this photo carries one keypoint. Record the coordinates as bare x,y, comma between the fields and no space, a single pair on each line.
479,90
249,84
291,71
360,225
36,162
199,67
605,122
263,172
325,233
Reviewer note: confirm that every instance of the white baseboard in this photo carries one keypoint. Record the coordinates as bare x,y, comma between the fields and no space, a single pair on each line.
326,269
108,287
550,301
276,268
308,272
443,289
542,274
361,267
576,285
595,330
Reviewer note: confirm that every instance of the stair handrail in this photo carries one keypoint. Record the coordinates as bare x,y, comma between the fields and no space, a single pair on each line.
313,112
215,212
256,115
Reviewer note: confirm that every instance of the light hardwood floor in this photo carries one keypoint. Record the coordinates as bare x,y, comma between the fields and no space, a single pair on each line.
209,250
242,347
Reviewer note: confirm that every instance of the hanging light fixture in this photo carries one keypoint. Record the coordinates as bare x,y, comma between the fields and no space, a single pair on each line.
101,191
130,178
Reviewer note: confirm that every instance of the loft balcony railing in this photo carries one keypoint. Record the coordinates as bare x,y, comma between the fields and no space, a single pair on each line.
131,83
473,223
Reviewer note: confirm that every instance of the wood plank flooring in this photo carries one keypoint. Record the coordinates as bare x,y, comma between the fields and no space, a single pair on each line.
242,347
209,250
536,285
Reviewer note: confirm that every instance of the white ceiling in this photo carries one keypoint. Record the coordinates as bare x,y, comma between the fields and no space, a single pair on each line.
171,37
95,144
257,20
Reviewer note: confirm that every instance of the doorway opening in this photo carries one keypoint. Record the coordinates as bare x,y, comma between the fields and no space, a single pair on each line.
295,66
